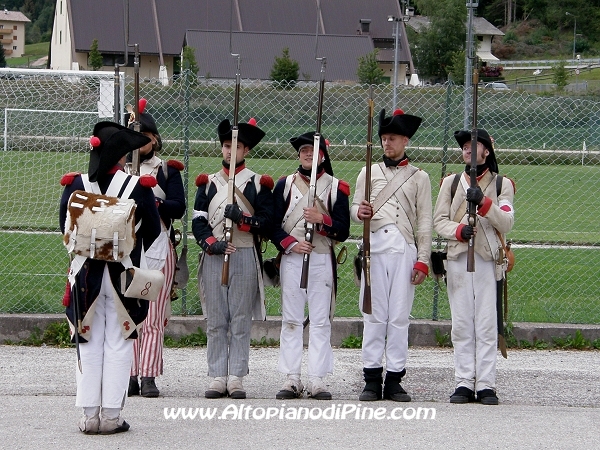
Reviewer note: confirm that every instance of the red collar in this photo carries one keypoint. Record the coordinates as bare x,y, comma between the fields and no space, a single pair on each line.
237,169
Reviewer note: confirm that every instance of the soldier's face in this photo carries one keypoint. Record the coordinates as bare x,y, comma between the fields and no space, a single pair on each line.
394,145
306,155
482,153
148,147
240,154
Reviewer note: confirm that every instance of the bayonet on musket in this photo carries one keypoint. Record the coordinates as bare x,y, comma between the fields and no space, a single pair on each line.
366,242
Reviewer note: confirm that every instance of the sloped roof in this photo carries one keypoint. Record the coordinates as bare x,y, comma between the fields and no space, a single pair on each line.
258,51
104,20
13,16
481,26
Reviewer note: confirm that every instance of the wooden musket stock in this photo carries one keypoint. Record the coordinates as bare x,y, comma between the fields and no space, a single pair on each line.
366,242
471,206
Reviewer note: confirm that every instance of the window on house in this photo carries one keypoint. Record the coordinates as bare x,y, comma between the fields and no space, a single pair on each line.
14,47
61,8
14,27
60,37
14,38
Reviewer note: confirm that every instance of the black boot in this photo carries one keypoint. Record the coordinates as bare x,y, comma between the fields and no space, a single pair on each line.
149,388
134,387
392,389
373,382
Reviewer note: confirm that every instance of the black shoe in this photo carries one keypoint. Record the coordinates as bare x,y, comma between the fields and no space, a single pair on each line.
373,381
149,389
134,387
113,426
462,395
392,390
487,397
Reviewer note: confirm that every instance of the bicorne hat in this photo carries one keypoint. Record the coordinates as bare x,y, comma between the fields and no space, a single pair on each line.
398,123
309,139
462,137
110,142
248,133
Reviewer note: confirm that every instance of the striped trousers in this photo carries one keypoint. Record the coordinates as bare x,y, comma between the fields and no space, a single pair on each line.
229,311
148,348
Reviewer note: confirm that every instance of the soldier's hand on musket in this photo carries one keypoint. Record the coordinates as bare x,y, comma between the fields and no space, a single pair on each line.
365,210
234,212
417,277
302,247
467,232
475,195
312,215
221,248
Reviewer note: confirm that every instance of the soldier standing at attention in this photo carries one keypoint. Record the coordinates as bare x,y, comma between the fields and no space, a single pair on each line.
400,213
229,309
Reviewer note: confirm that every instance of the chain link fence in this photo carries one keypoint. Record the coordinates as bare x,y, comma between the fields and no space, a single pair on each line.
548,144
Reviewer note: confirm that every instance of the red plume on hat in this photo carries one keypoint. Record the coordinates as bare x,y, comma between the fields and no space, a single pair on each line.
147,123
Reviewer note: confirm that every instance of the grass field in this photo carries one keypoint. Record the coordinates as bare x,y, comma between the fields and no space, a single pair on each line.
548,284
33,52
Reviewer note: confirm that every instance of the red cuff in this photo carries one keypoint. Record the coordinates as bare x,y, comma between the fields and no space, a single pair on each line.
287,242
211,240
483,209
244,227
421,267
458,232
327,220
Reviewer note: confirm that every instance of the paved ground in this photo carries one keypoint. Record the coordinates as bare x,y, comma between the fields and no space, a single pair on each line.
549,399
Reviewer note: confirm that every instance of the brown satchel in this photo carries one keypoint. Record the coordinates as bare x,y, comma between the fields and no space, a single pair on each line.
508,253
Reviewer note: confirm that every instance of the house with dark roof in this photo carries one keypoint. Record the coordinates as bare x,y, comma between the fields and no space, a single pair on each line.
260,29
12,32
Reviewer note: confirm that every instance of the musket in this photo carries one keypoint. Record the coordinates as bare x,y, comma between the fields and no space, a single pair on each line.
135,155
471,206
228,226
77,321
309,228
366,241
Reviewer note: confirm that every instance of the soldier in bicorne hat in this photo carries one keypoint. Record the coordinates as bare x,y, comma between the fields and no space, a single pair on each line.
170,200
473,295
109,319
229,309
400,213
331,218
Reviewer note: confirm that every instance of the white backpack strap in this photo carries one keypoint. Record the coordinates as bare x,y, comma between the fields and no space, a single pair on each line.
88,185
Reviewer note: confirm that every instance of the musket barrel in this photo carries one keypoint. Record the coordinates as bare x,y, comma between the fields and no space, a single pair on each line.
472,207
366,242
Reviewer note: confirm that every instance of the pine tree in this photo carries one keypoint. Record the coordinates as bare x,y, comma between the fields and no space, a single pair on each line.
369,71
285,70
2,58
95,57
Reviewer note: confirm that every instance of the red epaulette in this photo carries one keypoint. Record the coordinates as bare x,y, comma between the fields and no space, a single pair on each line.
344,187
148,181
267,182
283,177
513,183
68,178
201,179
175,164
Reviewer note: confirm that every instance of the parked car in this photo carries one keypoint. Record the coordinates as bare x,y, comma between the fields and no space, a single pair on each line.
496,86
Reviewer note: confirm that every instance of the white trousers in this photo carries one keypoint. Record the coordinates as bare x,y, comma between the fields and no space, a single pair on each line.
294,299
472,297
106,358
386,329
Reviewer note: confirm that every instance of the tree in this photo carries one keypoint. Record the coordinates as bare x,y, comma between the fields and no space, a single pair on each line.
2,58
457,68
285,70
434,47
560,75
95,57
369,71
188,62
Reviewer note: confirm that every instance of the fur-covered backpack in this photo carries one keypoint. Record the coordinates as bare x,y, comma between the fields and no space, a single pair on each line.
102,226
